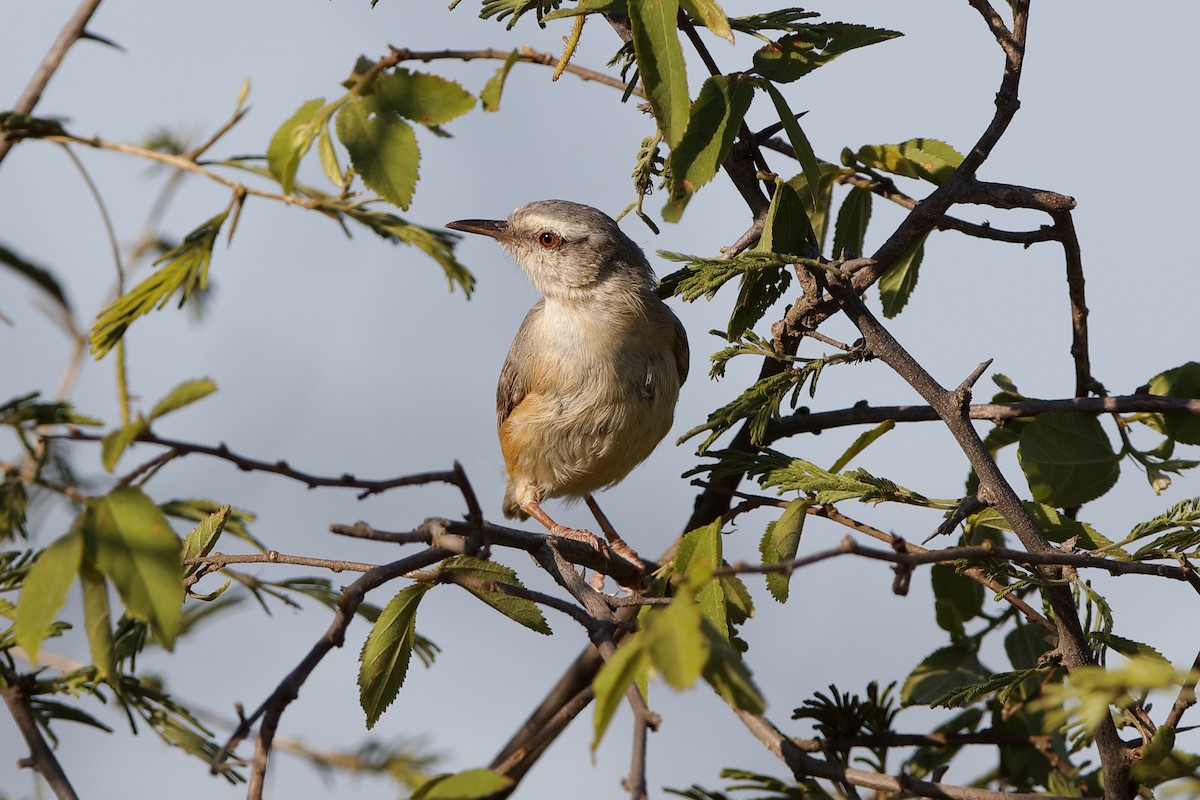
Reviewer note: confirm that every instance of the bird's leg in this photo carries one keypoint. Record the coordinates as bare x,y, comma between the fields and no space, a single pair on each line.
615,542
533,509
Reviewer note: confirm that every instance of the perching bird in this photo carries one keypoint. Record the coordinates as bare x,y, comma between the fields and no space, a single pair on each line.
590,383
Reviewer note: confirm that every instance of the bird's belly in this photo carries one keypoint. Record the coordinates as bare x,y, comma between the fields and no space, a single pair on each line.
576,443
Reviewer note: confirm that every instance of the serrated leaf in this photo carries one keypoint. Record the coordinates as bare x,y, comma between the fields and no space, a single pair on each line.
897,284
137,550
197,510
933,160
674,641
383,149
941,672
613,681
470,784
184,269
518,609
489,98
710,15
292,140
850,232
712,125
800,144
203,537
1067,459
97,620
1054,526
421,97
1182,381
1127,647
438,245
660,63
811,46
45,590
780,543
182,395
387,651
727,674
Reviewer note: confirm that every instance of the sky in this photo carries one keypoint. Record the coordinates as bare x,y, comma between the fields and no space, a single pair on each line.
349,355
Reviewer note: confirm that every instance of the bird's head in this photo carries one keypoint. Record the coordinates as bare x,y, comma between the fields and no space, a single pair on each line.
567,249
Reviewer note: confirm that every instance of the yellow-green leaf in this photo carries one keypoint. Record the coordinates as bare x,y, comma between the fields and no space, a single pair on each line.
613,681
710,15
45,590
291,141
97,620
780,543
518,609
1182,381
114,443
203,537
811,46
469,784
930,159
728,675
182,395
675,642
660,63
383,662
489,98
800,144
135,547
383,149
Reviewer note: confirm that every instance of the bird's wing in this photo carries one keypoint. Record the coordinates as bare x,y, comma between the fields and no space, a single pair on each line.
513,385
682,352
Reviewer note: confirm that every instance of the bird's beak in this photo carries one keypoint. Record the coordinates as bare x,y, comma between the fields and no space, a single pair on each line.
495,228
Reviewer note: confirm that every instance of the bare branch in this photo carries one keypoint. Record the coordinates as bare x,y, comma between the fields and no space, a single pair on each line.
41,757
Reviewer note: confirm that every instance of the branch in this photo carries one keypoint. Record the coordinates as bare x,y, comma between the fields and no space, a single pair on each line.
863,414
71,33
41,757
804,766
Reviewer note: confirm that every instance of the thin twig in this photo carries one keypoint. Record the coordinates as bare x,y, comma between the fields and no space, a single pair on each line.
41,756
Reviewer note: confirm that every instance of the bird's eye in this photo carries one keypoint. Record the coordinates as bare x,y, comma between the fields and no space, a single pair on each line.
549,239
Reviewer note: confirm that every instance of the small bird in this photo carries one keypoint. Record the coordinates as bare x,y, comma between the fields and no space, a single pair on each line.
591,379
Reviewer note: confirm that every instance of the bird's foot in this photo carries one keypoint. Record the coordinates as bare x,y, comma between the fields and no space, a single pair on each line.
579,535
626,552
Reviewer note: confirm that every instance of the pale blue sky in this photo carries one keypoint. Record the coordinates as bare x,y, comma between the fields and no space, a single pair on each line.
350,355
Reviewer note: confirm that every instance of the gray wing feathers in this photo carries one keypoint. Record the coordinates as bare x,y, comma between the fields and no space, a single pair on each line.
512,388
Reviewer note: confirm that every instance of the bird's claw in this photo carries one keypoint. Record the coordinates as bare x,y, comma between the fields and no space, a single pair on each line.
587,537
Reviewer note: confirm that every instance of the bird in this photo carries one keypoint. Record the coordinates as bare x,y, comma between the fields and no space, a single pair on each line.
591,380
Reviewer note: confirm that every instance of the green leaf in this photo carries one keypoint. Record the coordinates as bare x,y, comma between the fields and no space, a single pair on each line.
14,501
613,681
489,98
137,550
660,63
470,784
39,276
1054,526
698,554
710,15
184,269
1025,646
98,621
437,244
942,672
712,125
197,510
861,443
818,213
780,543
421,97
727,674
1067,459
203,537
292,140
114,443
800,144
675,642
811,46
1182,381
329,159
386,652
383,149
850,232
933,160
182,395
897,284
957,598
45,590
518,609
1127,647
787,228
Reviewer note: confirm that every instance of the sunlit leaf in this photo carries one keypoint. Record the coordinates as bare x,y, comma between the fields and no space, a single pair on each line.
470,784
182,395
421,97
383,662
780,543
811,46
933,160
292,140
518,609
45,590
489,98
1067,459
613,681
383,149
97,618
660,63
